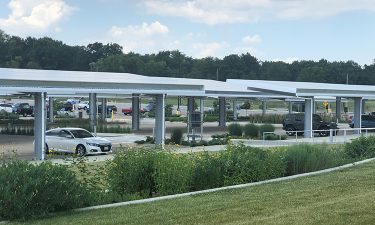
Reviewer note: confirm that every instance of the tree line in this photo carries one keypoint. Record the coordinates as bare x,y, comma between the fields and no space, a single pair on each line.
47,53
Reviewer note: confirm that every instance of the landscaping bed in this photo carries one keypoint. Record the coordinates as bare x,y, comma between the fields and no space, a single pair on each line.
143,173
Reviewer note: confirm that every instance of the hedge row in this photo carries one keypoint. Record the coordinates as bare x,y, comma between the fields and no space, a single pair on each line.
31,190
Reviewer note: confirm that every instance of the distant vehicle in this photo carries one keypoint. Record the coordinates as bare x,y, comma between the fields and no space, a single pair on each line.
6,108
110,108
68,106
129,111
76,140
73,101
65,112
367,121
83,105
296,123
24,109
150,106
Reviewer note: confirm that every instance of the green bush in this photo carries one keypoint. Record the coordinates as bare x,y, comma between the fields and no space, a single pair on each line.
251,130
173,173
245,164
235,129
305,158
208,171
271,137
362,147
131,172
266,128
177,136
31,190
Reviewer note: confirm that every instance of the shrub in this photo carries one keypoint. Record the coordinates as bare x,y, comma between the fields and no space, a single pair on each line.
266,128
305,158
176,136
131,172
251,130
245,164
235,129
208,171
173,173
362,147
30,190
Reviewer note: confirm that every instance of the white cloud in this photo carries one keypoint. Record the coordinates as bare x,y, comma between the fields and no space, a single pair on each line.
214,12
286,60
139,37
209,49
33,16
250,40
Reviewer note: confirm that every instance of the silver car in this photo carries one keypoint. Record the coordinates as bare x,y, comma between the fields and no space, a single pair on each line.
76,140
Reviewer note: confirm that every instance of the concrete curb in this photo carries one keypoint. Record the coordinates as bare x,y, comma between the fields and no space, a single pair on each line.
222,188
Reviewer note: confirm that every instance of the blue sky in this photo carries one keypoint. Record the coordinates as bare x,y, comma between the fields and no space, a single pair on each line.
286,30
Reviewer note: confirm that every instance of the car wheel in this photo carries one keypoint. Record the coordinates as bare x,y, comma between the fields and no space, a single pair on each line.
290,130
85,108
24,115
81,150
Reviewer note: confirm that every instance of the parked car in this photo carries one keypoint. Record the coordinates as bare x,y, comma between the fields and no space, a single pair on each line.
296,123
109,109
68,106
73,101
6,108
150,106
24,109
367,121
83,105
65,112
129,111
76,140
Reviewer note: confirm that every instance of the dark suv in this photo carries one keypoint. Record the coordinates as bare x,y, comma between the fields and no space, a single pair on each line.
296,123
23,109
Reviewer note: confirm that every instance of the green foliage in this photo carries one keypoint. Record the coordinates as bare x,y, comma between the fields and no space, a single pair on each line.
271,137
208,171
173,173
132,172
30,190
8,116
362,147
235,129
246,105
266,128
177,136
305,158
244,164
251,130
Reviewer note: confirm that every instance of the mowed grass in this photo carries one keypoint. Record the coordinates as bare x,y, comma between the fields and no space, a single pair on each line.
343,197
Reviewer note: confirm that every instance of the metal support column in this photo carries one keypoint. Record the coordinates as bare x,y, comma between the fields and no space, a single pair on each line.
363,111
357,113
135,112
235,110
264,107
222,112
93,111
309,104
50,106
160,120
290,107
39,126
104,109
338,109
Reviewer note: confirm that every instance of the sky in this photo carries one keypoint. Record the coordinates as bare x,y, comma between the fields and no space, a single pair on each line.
270,30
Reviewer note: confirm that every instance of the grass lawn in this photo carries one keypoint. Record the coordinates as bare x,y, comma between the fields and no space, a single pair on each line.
345,197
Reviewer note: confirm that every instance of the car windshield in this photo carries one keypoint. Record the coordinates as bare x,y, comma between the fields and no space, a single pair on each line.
81,133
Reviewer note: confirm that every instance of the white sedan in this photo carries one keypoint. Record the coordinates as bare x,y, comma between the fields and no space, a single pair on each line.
6,107
83,105
76,140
